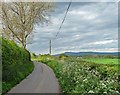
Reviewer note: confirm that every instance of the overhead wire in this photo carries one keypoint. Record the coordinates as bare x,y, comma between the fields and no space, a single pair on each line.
63,20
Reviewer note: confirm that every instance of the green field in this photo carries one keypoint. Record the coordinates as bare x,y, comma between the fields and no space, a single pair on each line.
102,61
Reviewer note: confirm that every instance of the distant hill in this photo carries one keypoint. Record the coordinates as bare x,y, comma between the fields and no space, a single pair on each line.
88,53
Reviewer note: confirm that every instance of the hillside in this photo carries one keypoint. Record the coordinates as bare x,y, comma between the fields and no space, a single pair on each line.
88,53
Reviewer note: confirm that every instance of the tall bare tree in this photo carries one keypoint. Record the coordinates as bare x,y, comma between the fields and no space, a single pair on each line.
20,18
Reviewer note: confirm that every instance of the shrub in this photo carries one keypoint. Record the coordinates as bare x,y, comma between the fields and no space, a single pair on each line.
63,55
108,56
96,56
33,55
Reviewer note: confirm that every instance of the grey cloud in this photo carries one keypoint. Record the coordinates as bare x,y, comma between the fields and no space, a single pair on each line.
85,23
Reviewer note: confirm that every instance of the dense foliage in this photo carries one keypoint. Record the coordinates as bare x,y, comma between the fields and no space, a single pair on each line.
16,64
77,76
63,55
13,54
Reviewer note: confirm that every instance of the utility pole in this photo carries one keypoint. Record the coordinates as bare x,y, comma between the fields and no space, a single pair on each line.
50,47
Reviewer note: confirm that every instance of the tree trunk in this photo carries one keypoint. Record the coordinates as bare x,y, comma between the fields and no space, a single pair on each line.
23,45
13,37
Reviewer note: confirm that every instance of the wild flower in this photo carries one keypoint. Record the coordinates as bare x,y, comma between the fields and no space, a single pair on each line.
117,92
84,79
91,91
104,92
77,75
103,85
77,81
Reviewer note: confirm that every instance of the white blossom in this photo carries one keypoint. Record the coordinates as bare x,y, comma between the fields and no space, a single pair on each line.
91,91
84,79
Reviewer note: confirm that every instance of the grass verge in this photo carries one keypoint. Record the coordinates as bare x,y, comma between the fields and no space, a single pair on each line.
15,74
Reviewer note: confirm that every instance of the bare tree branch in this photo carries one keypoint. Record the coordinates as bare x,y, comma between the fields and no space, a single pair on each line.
19,18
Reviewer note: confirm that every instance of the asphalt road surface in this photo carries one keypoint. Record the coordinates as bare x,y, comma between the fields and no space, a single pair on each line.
41,80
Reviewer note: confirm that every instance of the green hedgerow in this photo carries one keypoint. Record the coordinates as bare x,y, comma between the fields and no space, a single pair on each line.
16,64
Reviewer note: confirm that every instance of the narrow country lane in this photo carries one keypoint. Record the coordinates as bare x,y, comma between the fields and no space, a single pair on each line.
41,80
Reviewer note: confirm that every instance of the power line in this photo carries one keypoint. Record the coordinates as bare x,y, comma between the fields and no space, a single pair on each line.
63,19
61,25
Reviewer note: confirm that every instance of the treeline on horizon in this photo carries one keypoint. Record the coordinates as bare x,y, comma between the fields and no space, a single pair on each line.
33,55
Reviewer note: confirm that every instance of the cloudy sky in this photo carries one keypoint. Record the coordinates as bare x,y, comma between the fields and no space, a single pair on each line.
88,26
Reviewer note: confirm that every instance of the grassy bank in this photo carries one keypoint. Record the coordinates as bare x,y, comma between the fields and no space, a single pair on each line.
16,64
77,76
